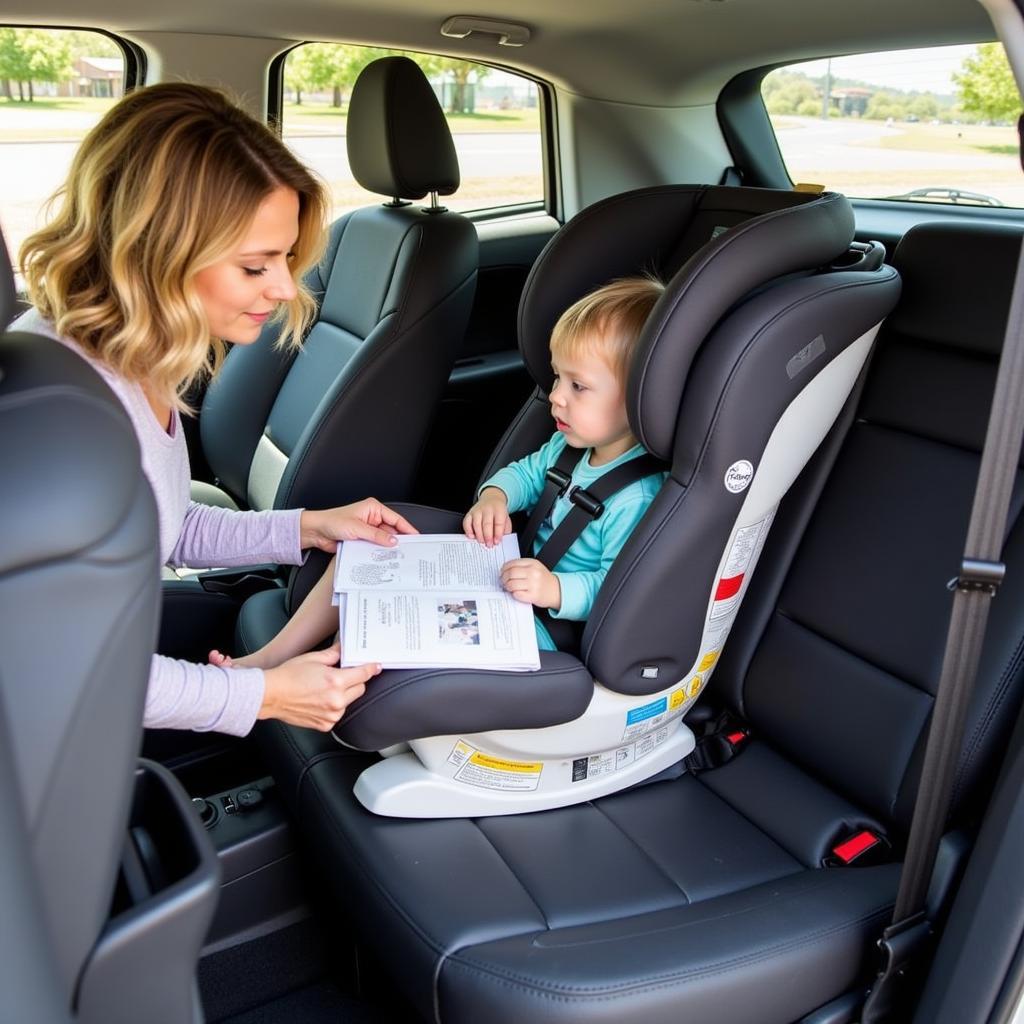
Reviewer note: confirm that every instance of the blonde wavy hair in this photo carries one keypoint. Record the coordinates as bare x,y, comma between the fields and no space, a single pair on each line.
165,185
607,321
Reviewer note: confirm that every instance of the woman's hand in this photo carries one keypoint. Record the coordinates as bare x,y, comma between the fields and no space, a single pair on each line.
308,691
531,581
488,521
364,520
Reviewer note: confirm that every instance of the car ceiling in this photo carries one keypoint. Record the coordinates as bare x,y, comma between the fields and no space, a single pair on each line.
656,52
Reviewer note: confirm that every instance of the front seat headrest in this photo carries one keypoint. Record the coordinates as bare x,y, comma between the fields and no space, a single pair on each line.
399,143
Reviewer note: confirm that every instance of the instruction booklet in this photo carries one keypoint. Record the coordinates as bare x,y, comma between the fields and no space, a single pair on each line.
432,601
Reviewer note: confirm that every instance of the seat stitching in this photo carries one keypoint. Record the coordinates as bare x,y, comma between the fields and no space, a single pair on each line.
607,817
565,993
985,726
916,435
315,789
515,874
794,855
380,351
853,654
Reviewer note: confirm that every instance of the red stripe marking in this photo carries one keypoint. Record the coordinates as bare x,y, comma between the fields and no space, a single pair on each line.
728,587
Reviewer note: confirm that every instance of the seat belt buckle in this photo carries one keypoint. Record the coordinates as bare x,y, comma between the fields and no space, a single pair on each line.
978,574
559,478
737,737
863,848
585,500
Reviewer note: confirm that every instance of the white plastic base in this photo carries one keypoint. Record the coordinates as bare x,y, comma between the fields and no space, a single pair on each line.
401,786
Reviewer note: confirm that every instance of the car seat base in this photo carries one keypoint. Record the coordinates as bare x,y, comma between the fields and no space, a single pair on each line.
478,783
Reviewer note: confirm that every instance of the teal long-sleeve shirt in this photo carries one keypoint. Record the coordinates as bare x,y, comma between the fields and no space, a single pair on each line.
582,569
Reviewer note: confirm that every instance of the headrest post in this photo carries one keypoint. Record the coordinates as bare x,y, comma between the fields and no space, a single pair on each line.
434,207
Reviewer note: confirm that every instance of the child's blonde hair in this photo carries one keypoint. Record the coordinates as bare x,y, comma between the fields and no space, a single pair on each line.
609,320
165,185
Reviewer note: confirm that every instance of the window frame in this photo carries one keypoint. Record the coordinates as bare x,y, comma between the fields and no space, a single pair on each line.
547,204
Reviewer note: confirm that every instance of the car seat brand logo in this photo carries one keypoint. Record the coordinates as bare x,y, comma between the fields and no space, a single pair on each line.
738,476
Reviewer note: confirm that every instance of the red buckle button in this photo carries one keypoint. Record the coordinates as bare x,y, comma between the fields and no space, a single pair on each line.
850,849
734,739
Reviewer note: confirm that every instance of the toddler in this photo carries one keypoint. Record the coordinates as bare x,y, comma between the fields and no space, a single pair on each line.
592,347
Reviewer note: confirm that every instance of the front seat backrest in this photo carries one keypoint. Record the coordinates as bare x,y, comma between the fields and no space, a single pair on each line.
348,415
78,589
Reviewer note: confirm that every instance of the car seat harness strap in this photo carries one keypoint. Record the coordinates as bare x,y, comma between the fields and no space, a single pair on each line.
587,503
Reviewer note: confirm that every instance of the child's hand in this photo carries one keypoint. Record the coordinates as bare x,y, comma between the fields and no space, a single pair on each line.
531,581
220,660
488,521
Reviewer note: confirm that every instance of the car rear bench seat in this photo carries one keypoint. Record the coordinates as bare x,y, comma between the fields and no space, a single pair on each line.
704,897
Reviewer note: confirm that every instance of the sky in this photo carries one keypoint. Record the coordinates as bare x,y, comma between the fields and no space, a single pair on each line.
920,70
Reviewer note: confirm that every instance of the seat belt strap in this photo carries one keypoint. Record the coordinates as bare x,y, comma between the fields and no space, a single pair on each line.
980,575
557,481
588,504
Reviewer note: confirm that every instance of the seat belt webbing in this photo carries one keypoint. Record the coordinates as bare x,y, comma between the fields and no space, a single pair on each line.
980,575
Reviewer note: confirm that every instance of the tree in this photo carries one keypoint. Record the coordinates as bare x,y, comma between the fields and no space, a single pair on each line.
923,106
31,55
464,74
89,44
297,71
314,67
788,92
986,86
883,105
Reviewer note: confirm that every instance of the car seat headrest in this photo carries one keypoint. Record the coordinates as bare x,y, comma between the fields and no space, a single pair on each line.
711,244
715,278
398,140
8,296
962,300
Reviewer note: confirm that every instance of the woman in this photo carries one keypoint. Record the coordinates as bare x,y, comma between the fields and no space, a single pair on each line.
185,224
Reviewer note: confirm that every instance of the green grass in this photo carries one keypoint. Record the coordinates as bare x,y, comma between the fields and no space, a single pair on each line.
49,118
47,104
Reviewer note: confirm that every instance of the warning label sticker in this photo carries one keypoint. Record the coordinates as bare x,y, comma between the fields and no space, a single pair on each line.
610,761
488,772
727,593
644,718
460,752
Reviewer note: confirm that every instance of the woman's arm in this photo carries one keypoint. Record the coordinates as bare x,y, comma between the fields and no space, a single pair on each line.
212,536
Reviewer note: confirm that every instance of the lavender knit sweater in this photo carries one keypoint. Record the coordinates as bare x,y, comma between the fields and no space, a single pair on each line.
182,695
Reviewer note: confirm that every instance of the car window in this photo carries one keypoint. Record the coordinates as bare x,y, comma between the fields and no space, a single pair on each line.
931,125
494,118
54,86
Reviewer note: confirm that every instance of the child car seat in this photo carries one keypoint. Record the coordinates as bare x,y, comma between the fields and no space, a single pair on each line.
743,365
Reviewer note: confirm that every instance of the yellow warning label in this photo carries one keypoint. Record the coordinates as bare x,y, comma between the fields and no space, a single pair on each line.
498,764
708,660
675,698
694,686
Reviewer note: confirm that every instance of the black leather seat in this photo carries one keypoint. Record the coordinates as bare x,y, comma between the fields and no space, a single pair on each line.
705,897
395,288
80,601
